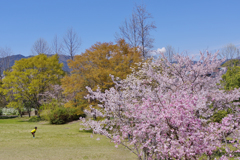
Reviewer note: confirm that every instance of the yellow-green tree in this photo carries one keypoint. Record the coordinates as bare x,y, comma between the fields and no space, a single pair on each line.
93,67
3,102
30,78
231,63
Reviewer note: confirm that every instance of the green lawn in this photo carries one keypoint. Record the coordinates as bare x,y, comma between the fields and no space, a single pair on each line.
54,142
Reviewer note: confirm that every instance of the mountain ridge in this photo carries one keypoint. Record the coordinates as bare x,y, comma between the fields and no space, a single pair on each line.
62,59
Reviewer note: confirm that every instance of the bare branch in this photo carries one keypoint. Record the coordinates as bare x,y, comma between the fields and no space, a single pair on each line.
136,30
72,43
144,28
229,52
57,46
41,46
170,52
5,54
129,31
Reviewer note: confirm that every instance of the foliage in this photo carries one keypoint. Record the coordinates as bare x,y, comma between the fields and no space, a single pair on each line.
35,119
63,115
3,101
18,105
0,111
93,67
231,79
231,63
165,109
45,115
31,77
218,116
50,105
47,107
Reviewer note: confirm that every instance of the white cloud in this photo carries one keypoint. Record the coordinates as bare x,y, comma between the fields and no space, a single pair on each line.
158,51
161,50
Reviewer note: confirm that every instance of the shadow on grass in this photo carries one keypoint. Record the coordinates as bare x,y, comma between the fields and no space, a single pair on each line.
7,117
86,131
23,121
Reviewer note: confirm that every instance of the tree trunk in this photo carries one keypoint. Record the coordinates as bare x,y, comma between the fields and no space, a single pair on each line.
20,112
129,137
94,116
145,154
37,108
29,113
38,113
208,157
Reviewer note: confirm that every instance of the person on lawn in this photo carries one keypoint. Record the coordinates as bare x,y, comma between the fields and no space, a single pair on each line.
34,131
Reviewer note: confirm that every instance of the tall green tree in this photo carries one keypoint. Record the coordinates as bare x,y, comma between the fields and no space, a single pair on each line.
231,63
30,78
231,79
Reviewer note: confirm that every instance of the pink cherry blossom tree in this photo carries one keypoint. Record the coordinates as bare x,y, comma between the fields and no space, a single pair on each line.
163,110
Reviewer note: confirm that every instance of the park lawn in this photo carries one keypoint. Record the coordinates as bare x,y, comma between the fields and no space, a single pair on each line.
55,142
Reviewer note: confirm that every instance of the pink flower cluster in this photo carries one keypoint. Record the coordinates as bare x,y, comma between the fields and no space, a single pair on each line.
163,110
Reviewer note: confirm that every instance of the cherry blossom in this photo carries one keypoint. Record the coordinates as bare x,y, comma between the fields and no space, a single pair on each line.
163,110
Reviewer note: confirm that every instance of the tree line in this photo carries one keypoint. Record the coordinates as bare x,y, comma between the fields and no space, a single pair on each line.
166,110
29,81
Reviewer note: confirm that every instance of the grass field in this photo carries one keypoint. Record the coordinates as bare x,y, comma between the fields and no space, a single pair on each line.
54,142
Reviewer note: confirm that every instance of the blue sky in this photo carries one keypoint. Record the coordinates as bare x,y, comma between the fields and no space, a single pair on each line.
192,25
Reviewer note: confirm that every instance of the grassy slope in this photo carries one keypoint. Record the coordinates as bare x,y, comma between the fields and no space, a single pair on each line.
61,142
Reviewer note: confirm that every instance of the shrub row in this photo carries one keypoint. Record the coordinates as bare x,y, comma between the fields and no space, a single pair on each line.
35,119
63,115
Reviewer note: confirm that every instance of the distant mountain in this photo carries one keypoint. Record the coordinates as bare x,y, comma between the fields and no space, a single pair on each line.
62,59
14,58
